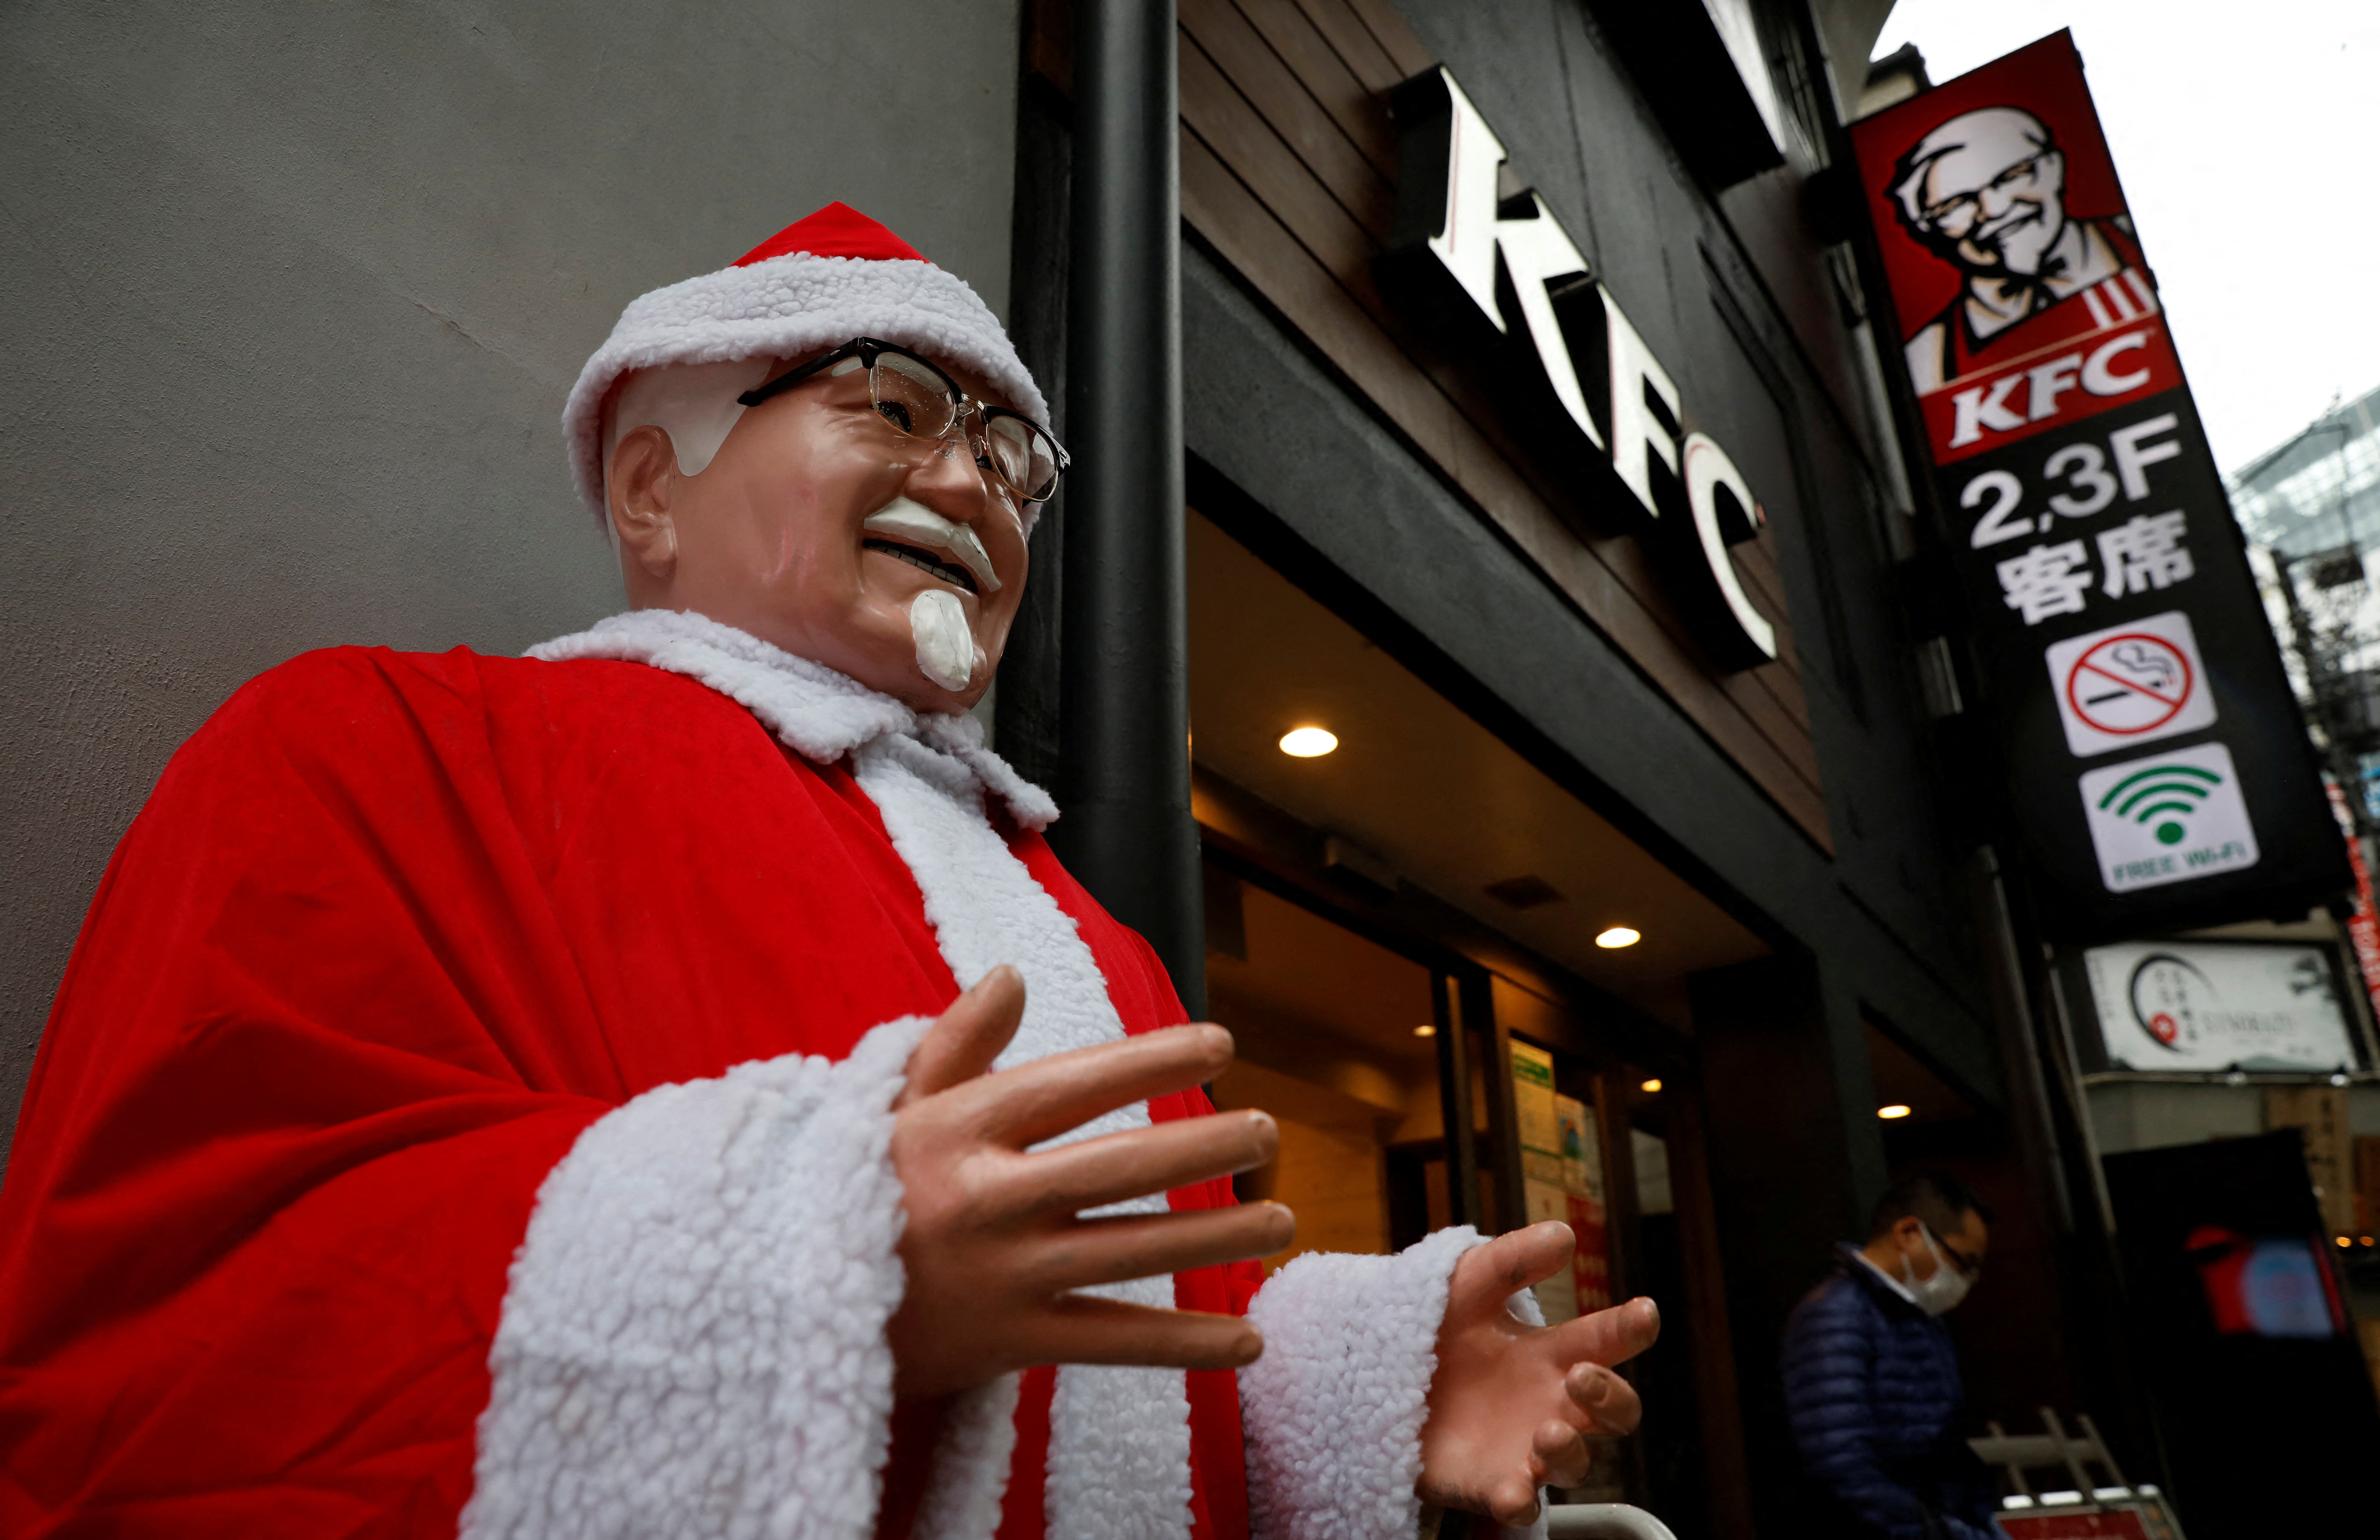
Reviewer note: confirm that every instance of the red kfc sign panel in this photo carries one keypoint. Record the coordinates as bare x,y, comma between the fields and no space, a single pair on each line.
2022,298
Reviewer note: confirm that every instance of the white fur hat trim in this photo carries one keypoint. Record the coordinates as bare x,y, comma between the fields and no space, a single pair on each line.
785,307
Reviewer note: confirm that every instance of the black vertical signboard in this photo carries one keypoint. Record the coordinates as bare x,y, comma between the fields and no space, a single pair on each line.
2158,771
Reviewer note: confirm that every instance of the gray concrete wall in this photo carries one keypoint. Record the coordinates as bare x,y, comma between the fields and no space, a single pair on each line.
290,295
2129,1115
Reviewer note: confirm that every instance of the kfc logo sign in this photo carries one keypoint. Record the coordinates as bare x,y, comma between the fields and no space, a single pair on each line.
2108,593
2024,298
1496,268
2007,406
1985,192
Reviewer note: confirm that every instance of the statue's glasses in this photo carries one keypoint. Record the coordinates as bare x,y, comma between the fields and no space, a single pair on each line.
922,402
1958,216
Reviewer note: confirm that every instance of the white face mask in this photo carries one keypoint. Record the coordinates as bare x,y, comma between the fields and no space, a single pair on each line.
1943,1291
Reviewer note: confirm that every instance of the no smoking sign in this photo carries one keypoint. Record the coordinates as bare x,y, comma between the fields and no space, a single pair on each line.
2129,684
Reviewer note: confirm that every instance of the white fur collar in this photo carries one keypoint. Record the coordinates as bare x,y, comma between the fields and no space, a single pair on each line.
815,711
733,1378
1119,1465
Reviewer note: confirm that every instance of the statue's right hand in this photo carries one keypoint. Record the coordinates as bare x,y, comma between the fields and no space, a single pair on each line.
993,1247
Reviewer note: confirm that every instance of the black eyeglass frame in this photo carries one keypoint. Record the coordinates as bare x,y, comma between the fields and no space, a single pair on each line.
963,407
1972,1267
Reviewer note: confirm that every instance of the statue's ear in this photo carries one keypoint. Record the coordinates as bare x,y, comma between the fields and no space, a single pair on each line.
639,486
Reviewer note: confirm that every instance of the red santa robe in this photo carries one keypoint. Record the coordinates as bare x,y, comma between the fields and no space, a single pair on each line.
467,1105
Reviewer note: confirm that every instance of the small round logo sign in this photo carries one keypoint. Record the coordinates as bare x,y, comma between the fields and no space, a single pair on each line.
2167,993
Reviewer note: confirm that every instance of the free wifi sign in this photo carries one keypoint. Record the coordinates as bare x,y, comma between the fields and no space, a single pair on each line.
2168,817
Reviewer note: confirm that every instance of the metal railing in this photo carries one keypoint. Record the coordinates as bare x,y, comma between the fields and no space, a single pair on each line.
1603,1520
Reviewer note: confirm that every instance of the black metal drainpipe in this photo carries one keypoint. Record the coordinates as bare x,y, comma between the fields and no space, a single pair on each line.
1124,719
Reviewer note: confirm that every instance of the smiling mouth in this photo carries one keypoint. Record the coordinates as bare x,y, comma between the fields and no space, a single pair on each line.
2023,215
949,572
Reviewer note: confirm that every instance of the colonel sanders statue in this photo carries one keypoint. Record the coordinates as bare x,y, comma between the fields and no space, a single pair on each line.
536,1097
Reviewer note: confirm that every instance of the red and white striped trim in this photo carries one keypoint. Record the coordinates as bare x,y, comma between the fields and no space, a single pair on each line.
2126,297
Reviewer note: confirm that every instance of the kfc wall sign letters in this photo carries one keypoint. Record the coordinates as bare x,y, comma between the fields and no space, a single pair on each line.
1490,267
2157,769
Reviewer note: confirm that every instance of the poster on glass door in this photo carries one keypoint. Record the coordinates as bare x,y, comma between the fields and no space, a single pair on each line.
1562,1167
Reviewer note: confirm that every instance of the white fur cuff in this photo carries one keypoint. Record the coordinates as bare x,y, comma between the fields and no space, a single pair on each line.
1333,1410
693,1336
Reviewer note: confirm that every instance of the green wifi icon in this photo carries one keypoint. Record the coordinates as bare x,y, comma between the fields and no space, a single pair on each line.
2161,791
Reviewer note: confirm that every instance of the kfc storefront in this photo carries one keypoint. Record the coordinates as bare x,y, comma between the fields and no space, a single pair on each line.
1502,701
1561,752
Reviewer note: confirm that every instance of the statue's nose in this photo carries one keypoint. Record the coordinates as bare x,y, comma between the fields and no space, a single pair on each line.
1998,200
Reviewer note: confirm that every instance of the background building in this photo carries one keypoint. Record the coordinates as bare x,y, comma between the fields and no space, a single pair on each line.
2313,505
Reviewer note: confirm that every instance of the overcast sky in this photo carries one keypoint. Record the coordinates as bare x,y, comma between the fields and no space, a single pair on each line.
2247,138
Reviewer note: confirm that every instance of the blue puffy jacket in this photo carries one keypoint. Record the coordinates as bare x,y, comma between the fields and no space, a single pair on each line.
1872,1389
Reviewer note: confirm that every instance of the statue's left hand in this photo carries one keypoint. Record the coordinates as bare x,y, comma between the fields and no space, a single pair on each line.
1512,1404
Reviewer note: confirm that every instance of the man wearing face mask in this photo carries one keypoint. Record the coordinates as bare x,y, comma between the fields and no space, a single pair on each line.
1872,1387
665,1086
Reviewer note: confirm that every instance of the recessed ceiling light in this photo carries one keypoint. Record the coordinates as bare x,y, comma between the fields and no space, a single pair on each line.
1650,1087
1425,1030
1897,1110
1619,936
1308,742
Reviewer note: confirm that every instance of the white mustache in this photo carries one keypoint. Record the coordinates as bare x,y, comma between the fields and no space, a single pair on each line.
915,522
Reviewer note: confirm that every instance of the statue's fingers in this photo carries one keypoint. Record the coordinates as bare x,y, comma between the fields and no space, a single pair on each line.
1087,1252
1048,1097
1612,1336
1085,1328
1608,1403
1091,1173
1561,1455
1486,1276
1513,1500
963,1041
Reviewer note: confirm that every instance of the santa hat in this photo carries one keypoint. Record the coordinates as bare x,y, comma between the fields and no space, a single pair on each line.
816,284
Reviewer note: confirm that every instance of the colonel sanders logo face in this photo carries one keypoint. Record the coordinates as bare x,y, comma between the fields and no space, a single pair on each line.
1987,192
